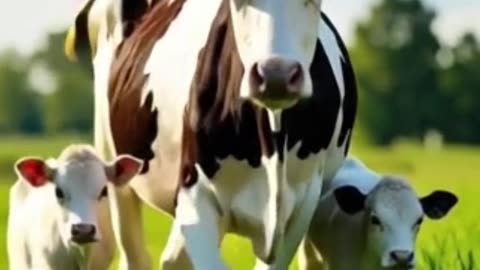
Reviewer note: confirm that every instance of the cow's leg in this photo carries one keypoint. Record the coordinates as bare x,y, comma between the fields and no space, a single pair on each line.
127,221
308,257
102,254
297,228
196,227
174,255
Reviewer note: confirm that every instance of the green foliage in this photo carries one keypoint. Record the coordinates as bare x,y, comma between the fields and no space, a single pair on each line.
20,110
70,107
394,55
410,85
460,87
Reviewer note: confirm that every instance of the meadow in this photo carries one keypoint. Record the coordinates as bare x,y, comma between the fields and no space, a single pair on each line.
449,244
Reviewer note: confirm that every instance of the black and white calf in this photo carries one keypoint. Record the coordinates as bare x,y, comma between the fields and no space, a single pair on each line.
366,221
239,108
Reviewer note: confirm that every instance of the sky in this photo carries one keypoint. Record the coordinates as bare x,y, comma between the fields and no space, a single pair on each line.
24,23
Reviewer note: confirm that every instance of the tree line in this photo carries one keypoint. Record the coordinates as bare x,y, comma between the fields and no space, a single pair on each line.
409,81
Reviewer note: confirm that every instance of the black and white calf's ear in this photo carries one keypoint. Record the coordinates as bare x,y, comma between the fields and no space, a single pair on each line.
350,199
123,169
438,203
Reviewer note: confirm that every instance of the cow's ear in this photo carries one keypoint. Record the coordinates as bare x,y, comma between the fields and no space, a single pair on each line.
81,38
437,204
34,170
350,199
123,169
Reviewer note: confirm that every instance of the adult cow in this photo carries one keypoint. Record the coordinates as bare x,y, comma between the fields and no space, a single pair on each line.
239,109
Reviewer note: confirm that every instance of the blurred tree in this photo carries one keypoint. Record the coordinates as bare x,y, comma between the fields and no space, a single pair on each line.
69,108
20,109
394,55
460,87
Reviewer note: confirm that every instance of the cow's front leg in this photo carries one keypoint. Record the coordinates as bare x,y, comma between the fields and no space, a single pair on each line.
196,228
127,221
309,257
297,227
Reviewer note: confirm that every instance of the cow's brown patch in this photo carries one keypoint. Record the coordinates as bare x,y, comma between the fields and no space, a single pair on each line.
133,124
216,122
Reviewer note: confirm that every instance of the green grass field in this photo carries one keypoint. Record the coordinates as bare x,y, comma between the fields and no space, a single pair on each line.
450,244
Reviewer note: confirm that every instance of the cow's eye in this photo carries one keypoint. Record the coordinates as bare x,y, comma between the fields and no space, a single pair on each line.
103,193
59,193
375,220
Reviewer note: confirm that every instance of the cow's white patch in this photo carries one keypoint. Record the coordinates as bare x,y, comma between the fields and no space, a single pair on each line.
281,28
334,54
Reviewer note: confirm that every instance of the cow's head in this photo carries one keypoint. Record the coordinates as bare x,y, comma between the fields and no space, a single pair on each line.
276,40
393,216
79,180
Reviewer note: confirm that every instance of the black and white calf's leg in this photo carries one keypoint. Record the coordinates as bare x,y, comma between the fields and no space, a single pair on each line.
196,233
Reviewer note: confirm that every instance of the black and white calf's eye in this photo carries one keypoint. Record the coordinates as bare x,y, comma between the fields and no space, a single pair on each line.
374,220
103,193
419,222
59,193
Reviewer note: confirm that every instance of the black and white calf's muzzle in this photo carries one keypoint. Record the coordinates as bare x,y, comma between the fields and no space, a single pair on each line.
277,82
403,259
83,233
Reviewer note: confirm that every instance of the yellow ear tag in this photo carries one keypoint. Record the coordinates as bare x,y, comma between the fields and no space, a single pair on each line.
69,46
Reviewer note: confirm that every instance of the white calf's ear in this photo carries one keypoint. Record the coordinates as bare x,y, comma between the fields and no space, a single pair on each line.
438,203
350,199
123,169
34,170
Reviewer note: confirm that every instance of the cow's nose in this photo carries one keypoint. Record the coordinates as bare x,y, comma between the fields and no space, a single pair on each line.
276,79
83,233
402,258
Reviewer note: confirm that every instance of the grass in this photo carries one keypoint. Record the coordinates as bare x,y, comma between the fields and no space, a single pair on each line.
449,244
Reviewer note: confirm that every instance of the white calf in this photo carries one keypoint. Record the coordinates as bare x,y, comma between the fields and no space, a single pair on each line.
53,207
368,222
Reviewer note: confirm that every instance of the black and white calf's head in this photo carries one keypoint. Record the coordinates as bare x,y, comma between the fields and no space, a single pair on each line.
276,41
393,215
80,182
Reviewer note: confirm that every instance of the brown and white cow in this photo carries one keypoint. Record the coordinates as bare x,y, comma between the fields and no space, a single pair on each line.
239,108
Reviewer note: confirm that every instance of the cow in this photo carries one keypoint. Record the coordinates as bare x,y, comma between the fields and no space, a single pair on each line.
368,221
239,110
52,221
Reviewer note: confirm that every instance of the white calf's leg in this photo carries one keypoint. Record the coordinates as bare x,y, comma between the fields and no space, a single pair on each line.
197,220
299,224
127,222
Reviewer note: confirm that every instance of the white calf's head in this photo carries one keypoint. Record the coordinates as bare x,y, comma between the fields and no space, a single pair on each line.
80,180
393,215
276,41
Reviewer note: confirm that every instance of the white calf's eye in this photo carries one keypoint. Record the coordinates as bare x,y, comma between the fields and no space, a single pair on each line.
103,193
59,193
